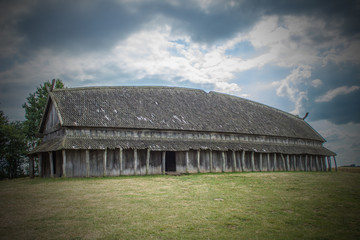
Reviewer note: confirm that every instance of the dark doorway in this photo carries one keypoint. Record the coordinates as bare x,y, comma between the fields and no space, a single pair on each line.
170,162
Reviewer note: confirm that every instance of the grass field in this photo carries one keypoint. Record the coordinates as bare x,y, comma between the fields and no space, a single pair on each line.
293,205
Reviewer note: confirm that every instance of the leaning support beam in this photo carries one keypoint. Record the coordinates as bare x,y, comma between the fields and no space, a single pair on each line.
198,160
211,161
223,161
283,162
253,161
306,163
275,164
243,161
260,162
163,158
186,161
87,162
31,166
317,168
51,159
329,163
147,161
104,162
311,163
64,163
234,161
268,162
287,163
335,163
121,160
40,167
135,161
295,163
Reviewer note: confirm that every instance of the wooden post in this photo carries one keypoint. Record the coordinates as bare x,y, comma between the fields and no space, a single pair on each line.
147,161
223,161
135,161
311,163
187,161
317,163
121,160
198,160
87,162
268,162
211,161
335,163
253,161
283,162
275,162
234,160
260,162
329,163
31,166
324,163
64,163
163,158
306,163
287,163
40,165
243,161
51,159
295,163
104,161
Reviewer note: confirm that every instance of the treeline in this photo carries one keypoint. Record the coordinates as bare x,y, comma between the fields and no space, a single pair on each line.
17,138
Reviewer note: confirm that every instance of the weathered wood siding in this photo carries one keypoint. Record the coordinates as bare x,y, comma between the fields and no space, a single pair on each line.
52,120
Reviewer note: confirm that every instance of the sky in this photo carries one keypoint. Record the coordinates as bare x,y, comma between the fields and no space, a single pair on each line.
297,56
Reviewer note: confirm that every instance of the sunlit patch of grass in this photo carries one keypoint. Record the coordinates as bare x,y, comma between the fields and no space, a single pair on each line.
292,205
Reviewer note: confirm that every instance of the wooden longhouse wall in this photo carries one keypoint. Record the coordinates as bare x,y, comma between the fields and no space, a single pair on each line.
113,131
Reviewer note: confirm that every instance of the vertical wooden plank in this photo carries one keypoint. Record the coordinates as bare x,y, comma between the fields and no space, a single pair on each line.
147,161
211,161
252,161
275,164
87,162
234,160
316,163
300,163
187,161
104,161
31,166
287,163
283,162
121,160
223,161
260,162
163,158
198,160
243,161
310,163
135,161
306,163
51,159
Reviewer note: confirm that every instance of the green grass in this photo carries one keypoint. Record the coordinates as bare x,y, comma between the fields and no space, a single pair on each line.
294,205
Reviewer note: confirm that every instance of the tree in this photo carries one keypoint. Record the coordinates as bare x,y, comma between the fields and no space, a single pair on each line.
13,148
34,109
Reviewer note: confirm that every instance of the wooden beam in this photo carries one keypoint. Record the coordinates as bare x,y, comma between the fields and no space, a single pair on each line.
253,161
87,162
243,161
121,160
187,161
287,163
306,163
268,161
135,161
147,161
163,159
234,160
51,159
329,163
40,165
260,162
317,163
31,166
64,163
274,169
283,162
211,161
223,161
198,160
104,162
295,163
335,163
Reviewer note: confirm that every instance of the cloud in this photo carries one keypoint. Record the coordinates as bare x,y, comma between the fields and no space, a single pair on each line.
316,83
331,94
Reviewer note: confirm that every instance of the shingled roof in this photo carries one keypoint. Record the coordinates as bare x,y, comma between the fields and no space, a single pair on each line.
171,108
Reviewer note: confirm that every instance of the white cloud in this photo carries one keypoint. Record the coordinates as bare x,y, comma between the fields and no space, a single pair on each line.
331,94
316,83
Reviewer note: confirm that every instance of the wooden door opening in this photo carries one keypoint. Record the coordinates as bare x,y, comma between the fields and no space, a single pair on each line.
170,162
